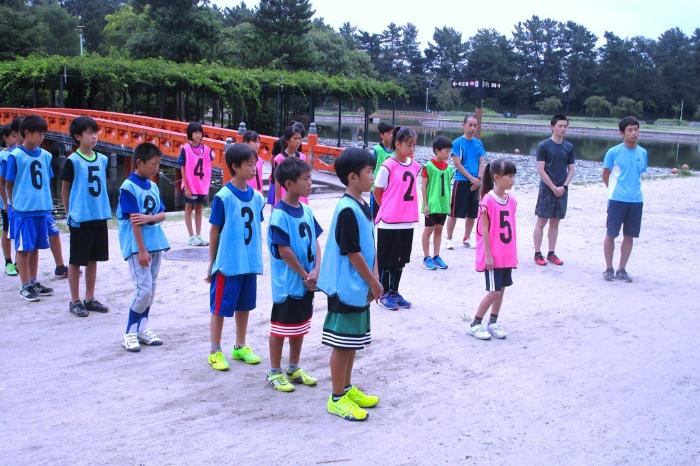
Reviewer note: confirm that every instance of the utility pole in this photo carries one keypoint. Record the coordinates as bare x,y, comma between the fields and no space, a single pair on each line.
80,32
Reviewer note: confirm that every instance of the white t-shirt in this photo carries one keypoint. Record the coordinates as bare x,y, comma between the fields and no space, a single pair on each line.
381,182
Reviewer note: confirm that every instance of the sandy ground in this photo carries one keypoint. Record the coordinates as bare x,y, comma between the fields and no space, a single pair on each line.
591,373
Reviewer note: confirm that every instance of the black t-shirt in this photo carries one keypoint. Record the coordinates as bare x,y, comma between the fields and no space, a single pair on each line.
347,231
556,158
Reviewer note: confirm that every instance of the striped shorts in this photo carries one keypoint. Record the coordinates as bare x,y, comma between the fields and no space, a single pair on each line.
292,317
346,330
497,279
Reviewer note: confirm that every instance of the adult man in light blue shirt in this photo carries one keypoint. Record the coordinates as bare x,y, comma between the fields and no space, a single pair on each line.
468,158
622,171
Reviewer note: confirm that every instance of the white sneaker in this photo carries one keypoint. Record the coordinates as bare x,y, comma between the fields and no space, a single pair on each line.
496,331
449,244
202,241
478,331
467,242
193,241
149,338
131,343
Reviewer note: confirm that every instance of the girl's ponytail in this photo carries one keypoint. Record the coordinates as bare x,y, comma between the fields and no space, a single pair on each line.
393,137
486,181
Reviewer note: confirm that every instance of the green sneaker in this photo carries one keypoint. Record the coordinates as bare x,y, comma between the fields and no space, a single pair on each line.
361,399
346,408
11,270
279,382
218,361
245,354
302,377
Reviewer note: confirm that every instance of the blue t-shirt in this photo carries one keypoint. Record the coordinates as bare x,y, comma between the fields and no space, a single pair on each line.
626,167
128,202
31,173
218,216
470,151
281,238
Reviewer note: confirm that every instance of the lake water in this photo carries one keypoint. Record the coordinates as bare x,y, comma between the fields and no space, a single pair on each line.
661,154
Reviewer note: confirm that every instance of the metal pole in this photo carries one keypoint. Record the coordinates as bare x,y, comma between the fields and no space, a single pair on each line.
366,129
340,116
393,111
277,111
426,98
681,116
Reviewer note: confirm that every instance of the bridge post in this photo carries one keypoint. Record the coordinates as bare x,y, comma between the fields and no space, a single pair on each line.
312,142
241,129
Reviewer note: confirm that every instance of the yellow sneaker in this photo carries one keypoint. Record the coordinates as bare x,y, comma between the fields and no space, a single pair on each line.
302,377
218,361
361,399
279,382
346,408
245,354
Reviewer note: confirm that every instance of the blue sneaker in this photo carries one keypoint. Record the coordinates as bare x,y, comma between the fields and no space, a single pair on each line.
439,263
429,264
387,301
400,302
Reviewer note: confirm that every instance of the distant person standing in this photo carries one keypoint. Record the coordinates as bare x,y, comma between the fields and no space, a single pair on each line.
555,164
622,173
468,158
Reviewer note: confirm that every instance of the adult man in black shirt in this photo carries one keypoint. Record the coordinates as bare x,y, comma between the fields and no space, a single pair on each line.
555,164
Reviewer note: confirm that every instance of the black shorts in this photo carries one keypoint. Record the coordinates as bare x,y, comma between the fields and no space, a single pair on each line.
292,317
89,243
196,199
5,221
464,202
394,247
435,219
549,205
497,279
628,214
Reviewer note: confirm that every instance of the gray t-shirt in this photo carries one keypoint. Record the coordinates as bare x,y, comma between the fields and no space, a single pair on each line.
556,158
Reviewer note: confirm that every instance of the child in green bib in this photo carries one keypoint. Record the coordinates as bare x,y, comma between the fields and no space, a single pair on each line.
381,153
437,192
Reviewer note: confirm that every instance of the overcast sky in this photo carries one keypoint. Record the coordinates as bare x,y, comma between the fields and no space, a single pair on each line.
626,18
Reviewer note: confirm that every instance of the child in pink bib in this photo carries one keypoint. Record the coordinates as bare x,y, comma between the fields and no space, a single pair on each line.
496,250
291,142
252,140
396,194
195,166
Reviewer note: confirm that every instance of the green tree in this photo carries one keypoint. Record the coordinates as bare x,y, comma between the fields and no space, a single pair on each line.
239,14
123,27
371,44
597,105
490,57
549,104
348,33
673,58
329,54
284,24
626,106
243,46
537,44
445,56
579,62
446,97
92,14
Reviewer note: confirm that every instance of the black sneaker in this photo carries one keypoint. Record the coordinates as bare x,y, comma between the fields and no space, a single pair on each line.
28,294
61,271
42,290
609,275
623,275
77,309
95,306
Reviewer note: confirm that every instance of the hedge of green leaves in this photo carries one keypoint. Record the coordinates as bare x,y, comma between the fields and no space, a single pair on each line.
27,74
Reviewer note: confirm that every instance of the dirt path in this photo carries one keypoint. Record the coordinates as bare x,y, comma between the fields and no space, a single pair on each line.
591,373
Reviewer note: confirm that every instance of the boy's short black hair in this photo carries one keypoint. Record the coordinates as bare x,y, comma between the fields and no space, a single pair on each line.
5,132
628,121
250,136
468,116
352,160
291,169
194,127
82,124
557,118
33,124
384,127
236,155
441,142
146,151
15,124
